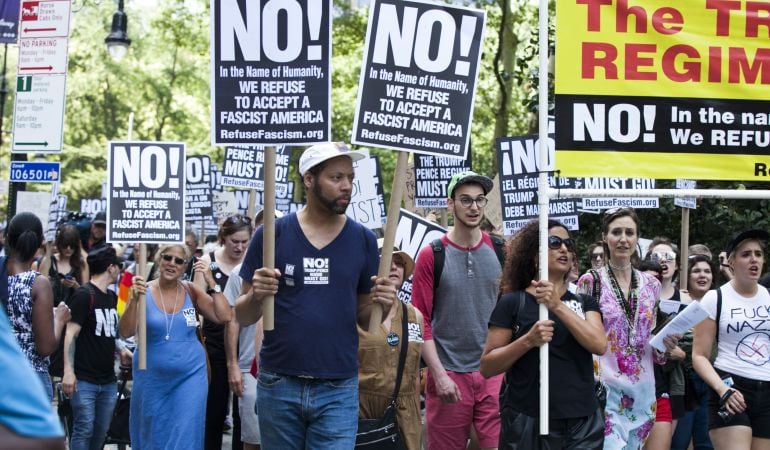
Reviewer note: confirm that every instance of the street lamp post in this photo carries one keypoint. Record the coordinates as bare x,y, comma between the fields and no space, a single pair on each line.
118,41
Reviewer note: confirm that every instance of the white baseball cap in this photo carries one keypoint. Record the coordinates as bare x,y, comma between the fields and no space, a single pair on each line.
319,153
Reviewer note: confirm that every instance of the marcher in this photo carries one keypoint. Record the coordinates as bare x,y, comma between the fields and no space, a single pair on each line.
36,323
89,359
626,299
739,406
234,235
325,263
456,316
596,255
168,400
573,331
378,359
97,237
693,426
669,377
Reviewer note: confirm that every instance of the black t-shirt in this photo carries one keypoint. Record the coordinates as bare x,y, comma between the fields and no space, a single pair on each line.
663,374
571,365
215,332
95,345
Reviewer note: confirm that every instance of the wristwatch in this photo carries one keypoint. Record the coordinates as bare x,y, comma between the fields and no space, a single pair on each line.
214,290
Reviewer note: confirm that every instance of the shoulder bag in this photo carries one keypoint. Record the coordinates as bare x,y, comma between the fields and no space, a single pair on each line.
383,433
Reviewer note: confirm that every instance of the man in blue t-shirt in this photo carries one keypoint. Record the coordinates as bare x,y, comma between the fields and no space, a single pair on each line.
323,282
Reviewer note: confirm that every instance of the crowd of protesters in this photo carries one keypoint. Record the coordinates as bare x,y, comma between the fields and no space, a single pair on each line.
473,325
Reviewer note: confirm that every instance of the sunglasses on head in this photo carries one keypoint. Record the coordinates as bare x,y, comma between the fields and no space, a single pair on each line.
663,256
168,258
555,243
238,219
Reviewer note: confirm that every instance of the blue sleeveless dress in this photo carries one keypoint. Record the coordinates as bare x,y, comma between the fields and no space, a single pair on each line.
168,401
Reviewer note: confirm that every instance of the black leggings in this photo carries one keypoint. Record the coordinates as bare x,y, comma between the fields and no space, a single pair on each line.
216,404
521,432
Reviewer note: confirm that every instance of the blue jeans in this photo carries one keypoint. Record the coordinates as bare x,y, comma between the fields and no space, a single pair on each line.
47,385
92,406
694,424
307,413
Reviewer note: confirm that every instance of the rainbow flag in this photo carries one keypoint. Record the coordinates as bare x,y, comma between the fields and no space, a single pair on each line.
126,281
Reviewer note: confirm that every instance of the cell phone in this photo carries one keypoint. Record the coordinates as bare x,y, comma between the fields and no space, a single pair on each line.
68,277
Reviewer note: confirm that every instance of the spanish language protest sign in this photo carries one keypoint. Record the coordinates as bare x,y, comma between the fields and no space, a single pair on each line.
198,202
663,90
146,187
432,175
244,164
417,83
270,71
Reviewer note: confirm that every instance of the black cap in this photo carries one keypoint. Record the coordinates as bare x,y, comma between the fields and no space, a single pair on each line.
99,260
760,235
100,218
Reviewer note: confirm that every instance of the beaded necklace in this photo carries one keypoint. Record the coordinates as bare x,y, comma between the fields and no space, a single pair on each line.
629,305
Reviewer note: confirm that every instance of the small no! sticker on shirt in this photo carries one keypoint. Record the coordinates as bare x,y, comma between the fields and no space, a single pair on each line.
190,317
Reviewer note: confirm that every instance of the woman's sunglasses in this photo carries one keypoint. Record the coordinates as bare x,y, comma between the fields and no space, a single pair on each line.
168,258
555,243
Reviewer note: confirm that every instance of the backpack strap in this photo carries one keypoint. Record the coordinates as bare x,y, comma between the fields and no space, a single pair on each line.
498,244
438,262
517,318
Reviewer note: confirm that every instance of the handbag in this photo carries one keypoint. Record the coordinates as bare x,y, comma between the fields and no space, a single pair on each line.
382,433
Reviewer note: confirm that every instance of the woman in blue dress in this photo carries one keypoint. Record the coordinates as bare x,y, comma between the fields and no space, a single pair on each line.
168,401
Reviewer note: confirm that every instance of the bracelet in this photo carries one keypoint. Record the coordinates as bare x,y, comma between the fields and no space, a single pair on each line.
726,396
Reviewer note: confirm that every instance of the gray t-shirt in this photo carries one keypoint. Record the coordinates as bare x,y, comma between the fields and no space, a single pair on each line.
246,335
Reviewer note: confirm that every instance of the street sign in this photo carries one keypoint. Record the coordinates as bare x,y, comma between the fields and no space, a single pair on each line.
45,19
42,55
39,113
29,171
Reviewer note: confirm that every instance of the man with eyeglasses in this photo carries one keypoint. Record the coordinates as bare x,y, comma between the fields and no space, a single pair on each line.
456,316
324,280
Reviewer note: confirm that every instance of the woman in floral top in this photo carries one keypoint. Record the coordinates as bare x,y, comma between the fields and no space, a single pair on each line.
626,299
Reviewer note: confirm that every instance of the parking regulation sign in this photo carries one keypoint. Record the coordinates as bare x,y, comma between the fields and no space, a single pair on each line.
41,172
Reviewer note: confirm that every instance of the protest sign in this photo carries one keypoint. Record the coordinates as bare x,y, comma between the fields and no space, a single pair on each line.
663,90
216,178
146,182
38,203
380,191
364,205
271,72
225,205
198,190
685,202
244,164
413,233
417,83
432,175
518,168
596,204
91,206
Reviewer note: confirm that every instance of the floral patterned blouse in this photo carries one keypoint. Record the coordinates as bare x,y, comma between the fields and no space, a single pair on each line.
626,369
20,314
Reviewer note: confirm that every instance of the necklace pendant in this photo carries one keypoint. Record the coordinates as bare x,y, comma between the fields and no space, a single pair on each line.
168,337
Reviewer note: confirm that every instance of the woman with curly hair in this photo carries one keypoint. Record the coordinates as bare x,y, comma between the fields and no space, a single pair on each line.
574,331
627,298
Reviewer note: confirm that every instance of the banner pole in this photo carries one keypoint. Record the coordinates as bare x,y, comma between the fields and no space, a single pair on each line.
268,236
543,199
684,249
252,206
394,210
141,310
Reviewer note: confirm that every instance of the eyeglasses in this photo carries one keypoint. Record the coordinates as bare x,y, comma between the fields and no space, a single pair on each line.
168,258
555,243
664,257
468,201
597,256
238,219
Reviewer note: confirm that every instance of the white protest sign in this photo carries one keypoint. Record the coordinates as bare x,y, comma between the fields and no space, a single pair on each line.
270,71
92,206
146,182
608,184
364,205
417,84
225,205
685,202
38,203
412,234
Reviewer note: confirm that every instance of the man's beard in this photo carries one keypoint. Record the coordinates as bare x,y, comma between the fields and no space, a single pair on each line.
330,204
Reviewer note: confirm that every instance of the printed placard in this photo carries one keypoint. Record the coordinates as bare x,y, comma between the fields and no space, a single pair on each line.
597,204
685,202
146,186
418,79
364,205
663,90
270,72
198,203
243,167
412,234
432,175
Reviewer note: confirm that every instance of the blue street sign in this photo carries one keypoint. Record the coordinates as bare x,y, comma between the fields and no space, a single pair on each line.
42,172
